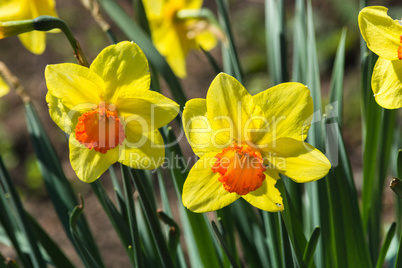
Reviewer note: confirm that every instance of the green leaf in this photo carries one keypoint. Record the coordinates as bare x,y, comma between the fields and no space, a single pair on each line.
150,214
56,183
200,245
385,246
53,250
136,258
231,49
308,256
336,88
275,40
224,246
89,259
34,252
350,248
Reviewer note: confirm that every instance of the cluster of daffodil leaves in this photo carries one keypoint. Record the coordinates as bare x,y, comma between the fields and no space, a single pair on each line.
112,111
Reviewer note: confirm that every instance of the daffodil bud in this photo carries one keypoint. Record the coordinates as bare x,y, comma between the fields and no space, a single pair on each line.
11,28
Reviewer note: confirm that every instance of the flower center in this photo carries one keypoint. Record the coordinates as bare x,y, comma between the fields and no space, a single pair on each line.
100,129
241,169
400,48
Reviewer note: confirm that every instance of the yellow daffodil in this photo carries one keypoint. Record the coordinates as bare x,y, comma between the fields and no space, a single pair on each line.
12,10
173,35
383,36
4,89
109,111
245,141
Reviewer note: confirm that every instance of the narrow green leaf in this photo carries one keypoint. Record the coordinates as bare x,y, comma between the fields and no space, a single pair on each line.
336,88
385,246
57,186
274,241
293,225
120,226
136,258
89,259
10,225
53,250
308,256
200,245
234,58
350,246
398,262
34,252
135,33
275,40
212,61
174,231
224,246
150,214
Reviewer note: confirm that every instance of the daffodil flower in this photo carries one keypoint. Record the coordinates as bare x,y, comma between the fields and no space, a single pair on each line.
173,35
383,36
109,111
4,88
13,10
245,141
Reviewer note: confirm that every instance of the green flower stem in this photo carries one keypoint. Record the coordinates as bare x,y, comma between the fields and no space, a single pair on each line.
47,23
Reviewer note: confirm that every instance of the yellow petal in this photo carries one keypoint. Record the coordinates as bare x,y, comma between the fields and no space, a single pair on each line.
386,83
75,85
198,129
298,160
231,108
44,7
206,40
147,108
11,10
88,164
142,151
202,192
4,88
34,41
64,118
267,197
380,31
288,110
123,68
172,43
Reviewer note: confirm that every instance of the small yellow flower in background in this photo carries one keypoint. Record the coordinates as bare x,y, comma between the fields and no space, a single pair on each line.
12,10
245,141
4,88
383,36
109,111
174,37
